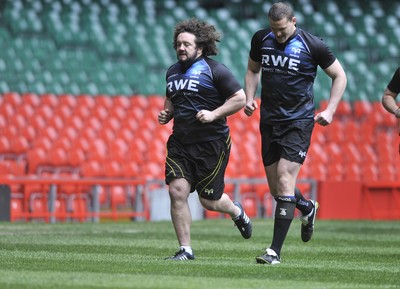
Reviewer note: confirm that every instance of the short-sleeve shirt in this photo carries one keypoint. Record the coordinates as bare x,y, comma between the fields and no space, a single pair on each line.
288,73
206,84
394,84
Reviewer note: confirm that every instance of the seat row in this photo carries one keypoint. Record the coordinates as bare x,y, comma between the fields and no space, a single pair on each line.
361,142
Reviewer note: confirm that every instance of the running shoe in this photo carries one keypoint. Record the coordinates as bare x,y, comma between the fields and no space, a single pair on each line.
242,222
181,255
307,223
269,258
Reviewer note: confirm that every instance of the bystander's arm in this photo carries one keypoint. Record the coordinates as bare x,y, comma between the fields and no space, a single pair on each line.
389,102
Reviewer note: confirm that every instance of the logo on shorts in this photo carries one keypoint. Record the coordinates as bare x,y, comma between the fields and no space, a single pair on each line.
302,154
209,191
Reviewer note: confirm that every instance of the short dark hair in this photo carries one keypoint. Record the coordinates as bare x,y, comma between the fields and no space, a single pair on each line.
279,11
206,34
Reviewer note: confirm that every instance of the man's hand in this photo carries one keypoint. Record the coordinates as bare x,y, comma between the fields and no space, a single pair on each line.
164,116
250,107
323,118
205,116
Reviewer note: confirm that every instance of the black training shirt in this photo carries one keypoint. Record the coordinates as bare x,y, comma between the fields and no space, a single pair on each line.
288,73
206,84
394,84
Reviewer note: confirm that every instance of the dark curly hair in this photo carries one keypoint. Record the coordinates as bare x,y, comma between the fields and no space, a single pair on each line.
206,34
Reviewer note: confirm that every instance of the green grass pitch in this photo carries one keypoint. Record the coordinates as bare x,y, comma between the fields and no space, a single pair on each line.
342,254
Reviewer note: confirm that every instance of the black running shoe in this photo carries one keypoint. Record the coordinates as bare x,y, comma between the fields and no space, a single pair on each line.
243,222
307,226
269,258
181,255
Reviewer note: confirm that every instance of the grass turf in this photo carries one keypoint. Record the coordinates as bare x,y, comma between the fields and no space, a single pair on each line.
342,254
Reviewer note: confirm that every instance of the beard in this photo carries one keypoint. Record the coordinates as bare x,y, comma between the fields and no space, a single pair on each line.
188,60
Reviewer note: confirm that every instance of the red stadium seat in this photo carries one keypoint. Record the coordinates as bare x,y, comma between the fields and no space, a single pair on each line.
28,132
10,131
139,101
70,133
7,110
156,101
31,99
58,157
38,122
104,101
26,111
68,100
335,132
89,134
94,123
64,111
387,172
153,170
12,98
106,134
3,121
352,153
17,209
118,112
36,157
62,142
85,100
335,172
82,143
61,210
118,196
113,123
130,169
91,168
334,152
125,134
362,108
250,205
51,132
82,112
318,171
80,207
100,112
122,102
352,129
76,156
5,145
369,156
49,99
344,109
20,145
369,173
45,111
74,121
39,206
352,172
112,169
43,142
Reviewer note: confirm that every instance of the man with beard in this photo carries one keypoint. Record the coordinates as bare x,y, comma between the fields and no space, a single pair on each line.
200,94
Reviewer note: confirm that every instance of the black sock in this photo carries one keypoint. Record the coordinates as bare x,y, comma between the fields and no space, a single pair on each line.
302,204
284,214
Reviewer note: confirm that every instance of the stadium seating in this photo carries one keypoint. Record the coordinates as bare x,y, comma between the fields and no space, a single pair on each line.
90,47
82,83
98,145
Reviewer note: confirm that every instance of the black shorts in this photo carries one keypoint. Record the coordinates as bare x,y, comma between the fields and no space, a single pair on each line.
289,141
203,165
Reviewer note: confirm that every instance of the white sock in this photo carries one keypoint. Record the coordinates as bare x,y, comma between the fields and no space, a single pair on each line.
234,218
187,249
